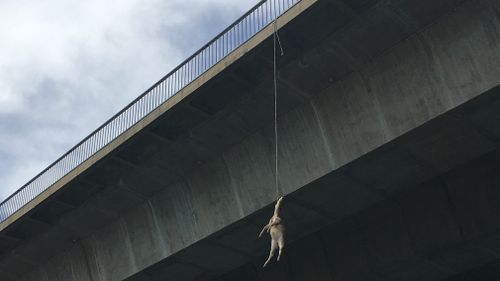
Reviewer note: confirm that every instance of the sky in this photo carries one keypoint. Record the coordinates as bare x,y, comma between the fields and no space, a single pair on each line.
66,66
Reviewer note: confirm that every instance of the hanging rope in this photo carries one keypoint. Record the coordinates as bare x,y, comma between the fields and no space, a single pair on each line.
276,38
275,227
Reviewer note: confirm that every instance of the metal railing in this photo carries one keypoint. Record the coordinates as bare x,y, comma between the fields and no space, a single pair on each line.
214,51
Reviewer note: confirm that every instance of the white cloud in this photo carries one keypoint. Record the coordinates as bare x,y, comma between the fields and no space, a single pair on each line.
67,66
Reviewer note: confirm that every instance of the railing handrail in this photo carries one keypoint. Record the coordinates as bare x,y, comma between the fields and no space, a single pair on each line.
205,47
136,99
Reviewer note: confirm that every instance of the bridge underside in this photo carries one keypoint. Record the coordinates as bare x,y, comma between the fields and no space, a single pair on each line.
389,129
441,224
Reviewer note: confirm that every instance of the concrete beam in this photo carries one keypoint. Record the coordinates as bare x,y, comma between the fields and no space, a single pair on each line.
405,88
182,94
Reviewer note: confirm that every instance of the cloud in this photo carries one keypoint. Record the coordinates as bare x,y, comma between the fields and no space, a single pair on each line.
67,66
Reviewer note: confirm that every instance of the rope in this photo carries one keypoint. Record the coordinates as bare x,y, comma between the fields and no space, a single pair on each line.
276,166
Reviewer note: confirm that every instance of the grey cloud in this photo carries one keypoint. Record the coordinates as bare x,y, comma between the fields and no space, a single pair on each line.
67,66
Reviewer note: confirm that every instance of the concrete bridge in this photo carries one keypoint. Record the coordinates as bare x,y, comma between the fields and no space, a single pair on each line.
389,128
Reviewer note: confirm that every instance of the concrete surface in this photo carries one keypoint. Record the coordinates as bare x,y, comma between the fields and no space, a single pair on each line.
440,226
362,152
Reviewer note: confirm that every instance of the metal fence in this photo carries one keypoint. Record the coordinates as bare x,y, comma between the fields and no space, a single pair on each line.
231,38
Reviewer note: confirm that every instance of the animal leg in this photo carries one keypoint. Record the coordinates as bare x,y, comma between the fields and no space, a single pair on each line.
266,227
274,247
281,245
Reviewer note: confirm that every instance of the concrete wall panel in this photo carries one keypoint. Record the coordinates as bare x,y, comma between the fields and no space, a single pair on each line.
175,217
388,242
445,65
148,243
430,218
113,252
251,166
